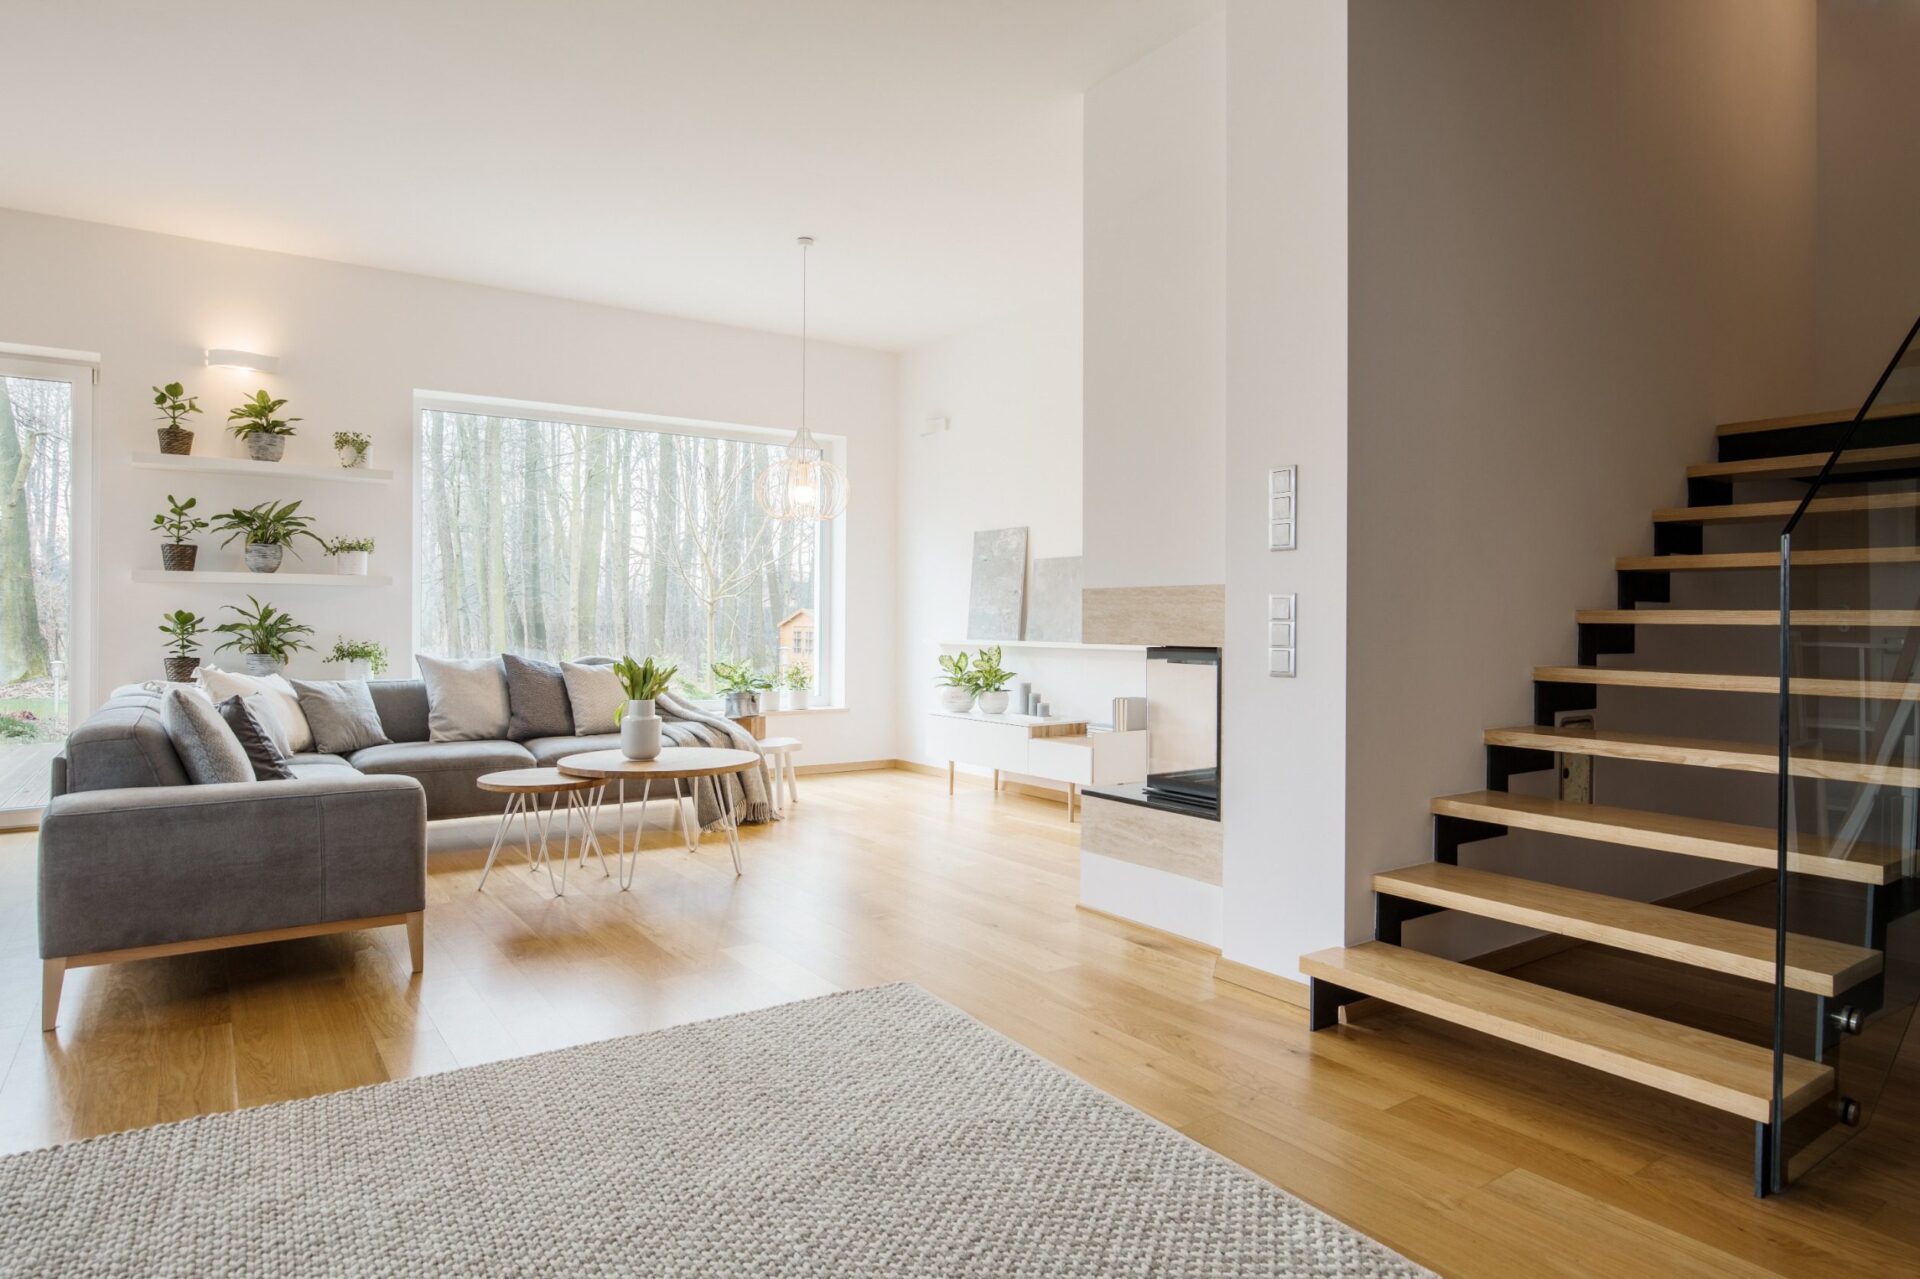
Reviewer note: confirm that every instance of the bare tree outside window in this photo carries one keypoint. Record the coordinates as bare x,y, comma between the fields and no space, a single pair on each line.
561,540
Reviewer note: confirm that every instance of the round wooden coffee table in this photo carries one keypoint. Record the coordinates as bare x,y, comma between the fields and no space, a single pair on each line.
523,788
680,765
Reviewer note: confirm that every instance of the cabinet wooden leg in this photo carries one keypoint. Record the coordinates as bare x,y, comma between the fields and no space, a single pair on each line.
52,973
949,777
1073,802
996,781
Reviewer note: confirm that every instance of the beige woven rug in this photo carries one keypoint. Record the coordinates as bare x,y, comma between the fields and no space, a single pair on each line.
876,1132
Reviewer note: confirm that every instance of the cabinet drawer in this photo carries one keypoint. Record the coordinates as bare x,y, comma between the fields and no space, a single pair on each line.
979,742
1061,759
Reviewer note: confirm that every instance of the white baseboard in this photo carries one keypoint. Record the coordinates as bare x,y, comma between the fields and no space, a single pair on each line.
1170,903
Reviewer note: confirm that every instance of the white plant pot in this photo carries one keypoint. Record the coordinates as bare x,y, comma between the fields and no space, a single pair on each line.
262,447
361,670
264,558
956,700
351,563
993,703
352,458
639,731
798,699
261,664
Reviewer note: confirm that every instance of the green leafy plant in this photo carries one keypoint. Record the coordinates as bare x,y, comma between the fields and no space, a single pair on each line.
345,545
374,655
183,630
168,399
987,675
796,678
256,417
351,440
23,726
739,677
268,524
263,630
642,681
957,671
179,523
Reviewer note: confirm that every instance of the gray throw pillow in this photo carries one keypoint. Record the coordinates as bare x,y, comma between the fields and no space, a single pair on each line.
595,694
342,715
466,698
263,753
537,704
206,746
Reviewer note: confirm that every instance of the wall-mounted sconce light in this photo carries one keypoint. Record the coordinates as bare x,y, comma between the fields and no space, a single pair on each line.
242,360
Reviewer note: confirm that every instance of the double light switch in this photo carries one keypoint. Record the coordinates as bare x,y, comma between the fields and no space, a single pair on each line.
1281,621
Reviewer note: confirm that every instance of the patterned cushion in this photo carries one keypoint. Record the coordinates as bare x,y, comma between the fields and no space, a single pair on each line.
256,739
537,704
466,698
595,694
207,747
341,714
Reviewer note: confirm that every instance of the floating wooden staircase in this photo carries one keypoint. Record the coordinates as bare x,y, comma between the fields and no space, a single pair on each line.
1728,1074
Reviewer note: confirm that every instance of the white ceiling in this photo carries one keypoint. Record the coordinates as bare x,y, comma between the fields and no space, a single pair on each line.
655,154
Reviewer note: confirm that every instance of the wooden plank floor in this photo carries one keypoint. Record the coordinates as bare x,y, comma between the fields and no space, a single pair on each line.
1469,1155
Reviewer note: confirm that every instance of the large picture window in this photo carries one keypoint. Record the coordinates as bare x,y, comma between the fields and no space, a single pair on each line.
561,539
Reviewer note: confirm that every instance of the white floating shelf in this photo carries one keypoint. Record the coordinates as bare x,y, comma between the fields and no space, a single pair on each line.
199,577
1066,644
247,466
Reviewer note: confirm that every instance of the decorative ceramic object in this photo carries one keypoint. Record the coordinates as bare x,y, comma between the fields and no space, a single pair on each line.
798,699
955,699
262,447
176,441
360,670
639,731
178,557
352,458
262,558
263,664
351,563
740,704
180,669
994,703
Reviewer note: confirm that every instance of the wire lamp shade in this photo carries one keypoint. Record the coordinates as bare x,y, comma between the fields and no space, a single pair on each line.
803,484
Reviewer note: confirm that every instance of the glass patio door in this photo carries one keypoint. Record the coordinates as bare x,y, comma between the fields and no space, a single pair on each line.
44,410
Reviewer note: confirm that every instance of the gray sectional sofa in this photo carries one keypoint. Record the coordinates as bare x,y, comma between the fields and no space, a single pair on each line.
136,862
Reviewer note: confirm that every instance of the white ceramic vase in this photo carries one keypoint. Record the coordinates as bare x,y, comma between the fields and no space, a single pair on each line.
956,699
263,664
352,458
798,699
352,563
360,670
639,731
994,703
263,557
262,447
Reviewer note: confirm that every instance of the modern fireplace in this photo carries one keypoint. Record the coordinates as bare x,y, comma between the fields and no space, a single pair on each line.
1183,727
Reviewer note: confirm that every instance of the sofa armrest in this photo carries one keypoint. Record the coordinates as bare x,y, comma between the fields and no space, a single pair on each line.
146,866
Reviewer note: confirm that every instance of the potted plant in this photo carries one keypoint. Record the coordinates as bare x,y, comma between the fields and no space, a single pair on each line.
352,448
742,686
265,636
350,554
639,725
796,687
175,438
254,421
362,658
956,683
183,631
179,523
269,529
989,680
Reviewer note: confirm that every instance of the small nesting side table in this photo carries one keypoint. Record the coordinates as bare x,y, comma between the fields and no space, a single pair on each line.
675,764
523,788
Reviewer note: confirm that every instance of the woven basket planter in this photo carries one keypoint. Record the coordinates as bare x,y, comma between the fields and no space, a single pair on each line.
181,669
178,557
176,440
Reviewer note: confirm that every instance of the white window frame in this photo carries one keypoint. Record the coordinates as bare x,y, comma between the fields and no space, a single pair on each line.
829,659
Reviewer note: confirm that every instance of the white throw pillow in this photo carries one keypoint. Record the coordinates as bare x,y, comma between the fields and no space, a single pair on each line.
596,694
295,737
466,698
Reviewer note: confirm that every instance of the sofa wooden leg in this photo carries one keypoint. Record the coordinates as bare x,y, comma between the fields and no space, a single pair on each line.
417,937
53,972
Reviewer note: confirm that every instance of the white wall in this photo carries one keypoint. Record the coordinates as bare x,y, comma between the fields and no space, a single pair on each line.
355,344
1011,458
1155,190
1284,762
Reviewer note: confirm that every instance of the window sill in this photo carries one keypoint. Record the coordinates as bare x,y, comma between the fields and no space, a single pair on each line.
811,710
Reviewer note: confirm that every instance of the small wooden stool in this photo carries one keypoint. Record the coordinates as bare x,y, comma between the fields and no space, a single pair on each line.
779,752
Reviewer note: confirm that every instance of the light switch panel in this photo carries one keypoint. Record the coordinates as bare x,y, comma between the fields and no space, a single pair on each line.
1282,624
1282,506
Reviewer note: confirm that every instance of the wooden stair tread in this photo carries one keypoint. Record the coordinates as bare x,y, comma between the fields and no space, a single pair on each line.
1814,965
1888,617
1743,757
1715,682
1726,1074
1838,558
1742,512
1798,465
1831,417
1812,854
